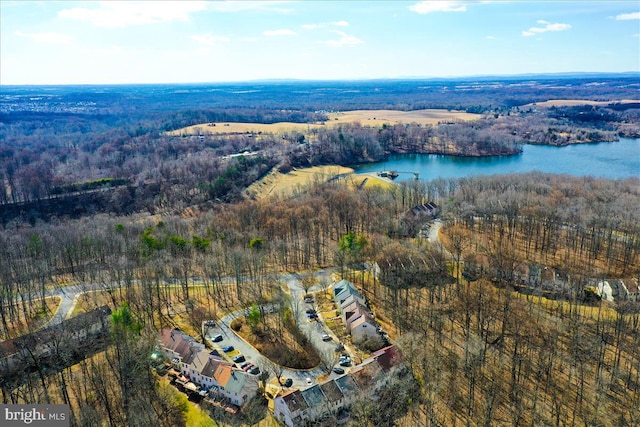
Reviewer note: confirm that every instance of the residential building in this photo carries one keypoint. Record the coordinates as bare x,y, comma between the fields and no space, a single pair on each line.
59,345
634,291
355,314
289,408
205,369
328,399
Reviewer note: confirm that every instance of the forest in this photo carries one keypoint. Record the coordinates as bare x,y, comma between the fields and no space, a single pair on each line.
73,151
498,323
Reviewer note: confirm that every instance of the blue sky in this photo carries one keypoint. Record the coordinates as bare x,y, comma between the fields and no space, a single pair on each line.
219,41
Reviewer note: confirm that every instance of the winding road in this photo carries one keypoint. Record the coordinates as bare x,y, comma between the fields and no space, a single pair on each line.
312,329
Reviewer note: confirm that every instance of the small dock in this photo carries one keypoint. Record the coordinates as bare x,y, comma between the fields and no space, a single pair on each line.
388,174
394,174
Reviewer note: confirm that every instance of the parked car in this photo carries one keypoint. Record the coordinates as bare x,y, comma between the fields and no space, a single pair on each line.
247,366
338,370
239,359
326,337
310,310
345,361
216,338
288,382
228,348
308,299
312,315
254,370
339,348
210,323
309,381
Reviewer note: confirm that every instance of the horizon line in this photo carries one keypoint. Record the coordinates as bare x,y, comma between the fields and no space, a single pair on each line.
301,80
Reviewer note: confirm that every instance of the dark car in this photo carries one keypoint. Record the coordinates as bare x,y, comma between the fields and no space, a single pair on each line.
312,315
255,370
338,370
339,348
216,338
288,382
310,310
239,359
228,348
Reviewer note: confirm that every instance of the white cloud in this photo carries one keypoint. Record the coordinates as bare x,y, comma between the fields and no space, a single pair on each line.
344,40
548,26
280,32
117,14
628,16
244,6
208,39
490,37
46,37
429,6
325,24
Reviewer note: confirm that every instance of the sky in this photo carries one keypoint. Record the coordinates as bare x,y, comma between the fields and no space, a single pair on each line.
111,42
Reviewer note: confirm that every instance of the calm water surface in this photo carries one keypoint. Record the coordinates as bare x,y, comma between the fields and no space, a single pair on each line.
606,159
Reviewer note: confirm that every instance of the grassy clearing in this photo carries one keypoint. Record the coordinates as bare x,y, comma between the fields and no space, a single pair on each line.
284,185
276,184
378,118
575,102
374,118
247,128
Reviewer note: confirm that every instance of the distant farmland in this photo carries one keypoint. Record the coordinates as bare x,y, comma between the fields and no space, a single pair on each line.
374,118
576,102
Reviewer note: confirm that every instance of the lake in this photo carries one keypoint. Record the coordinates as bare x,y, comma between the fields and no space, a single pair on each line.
605,159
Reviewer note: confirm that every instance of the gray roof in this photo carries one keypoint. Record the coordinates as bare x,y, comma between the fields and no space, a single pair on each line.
313,396
347,385
331,391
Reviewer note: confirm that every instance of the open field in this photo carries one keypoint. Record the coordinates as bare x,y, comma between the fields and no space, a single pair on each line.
278,184
575,102
375,118
250,128
381,117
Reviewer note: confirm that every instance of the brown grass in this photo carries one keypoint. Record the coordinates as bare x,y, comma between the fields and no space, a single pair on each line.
575,102
378,118
277,184
284,185
375,118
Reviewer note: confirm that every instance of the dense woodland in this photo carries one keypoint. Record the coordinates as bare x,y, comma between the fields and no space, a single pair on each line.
492,357
95,194
54,140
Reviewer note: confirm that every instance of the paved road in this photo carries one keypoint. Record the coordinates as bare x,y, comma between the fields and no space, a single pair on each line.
312,329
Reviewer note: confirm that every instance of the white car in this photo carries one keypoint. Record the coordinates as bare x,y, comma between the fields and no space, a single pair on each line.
309,381
326,337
